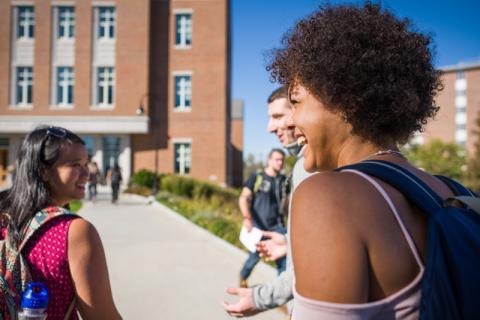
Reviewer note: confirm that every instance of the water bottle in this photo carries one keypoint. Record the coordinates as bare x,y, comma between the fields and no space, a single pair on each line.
34,302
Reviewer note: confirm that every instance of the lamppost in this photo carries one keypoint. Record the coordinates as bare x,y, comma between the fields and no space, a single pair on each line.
140,111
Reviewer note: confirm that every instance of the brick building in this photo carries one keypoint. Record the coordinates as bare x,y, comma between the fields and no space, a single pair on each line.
146,83
459,107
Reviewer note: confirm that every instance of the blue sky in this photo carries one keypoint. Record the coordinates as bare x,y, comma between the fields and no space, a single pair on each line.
258,25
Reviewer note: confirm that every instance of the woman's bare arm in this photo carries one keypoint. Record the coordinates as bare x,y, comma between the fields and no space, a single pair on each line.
88,267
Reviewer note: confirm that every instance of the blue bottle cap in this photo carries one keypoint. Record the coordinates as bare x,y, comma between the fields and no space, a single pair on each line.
35,297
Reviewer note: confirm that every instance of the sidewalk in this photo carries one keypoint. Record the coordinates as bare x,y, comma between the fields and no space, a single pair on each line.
164,267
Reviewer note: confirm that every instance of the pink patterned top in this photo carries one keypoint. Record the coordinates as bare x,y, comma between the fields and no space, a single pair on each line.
46,252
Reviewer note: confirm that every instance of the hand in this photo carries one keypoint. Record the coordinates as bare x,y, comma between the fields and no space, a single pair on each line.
248,224
273,248
245,306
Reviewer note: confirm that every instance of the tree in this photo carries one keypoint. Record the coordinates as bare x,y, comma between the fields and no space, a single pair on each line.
250,165
473,170
438,157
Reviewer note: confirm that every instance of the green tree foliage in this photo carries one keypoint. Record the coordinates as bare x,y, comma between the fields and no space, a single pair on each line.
473,172
250,165
438,157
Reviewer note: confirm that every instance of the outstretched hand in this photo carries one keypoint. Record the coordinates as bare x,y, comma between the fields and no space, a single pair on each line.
244,307
274,247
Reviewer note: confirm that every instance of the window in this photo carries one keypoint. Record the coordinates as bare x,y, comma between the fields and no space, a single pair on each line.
461,109
460,74
106,23
105,84
461,126
183,157
65,82
183,92
183,29
461,93
24,86
26,23
66,22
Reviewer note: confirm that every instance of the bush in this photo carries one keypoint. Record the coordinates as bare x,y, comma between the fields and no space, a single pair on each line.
143,178
180,186
438,157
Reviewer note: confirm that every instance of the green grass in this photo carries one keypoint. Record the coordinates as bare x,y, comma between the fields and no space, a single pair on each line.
220,221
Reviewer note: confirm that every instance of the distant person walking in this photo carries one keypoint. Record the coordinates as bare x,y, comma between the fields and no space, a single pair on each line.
261,206
115,177
93,178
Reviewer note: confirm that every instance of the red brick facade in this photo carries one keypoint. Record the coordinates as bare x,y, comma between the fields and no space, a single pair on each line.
145,62
447,123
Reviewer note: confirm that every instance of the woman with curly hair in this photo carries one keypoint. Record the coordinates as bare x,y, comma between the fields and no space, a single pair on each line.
361,84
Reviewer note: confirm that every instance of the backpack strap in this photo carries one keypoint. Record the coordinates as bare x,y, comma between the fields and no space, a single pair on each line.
39,219
404,181
457,188
258,181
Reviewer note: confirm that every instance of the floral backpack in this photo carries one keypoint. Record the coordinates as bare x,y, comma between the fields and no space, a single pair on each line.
14,269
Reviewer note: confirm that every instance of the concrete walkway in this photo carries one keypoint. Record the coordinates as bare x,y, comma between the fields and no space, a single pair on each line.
164,267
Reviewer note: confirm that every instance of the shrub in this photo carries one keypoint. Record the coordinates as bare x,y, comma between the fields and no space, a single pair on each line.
143,178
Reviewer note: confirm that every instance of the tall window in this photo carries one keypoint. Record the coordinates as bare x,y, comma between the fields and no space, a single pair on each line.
106,22
105,85
24,86
65,82
183,92
183,157
66,22
183,29
26,22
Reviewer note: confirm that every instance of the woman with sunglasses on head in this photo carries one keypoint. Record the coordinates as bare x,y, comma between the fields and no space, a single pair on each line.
65,253
361,83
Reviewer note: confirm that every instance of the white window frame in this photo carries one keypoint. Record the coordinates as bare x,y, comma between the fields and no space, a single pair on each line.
58,23
17,23
182,44
16,103
182,108
98,23
101,105
182,141
63,104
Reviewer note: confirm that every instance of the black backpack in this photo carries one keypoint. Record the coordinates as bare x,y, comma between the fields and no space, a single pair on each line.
451,283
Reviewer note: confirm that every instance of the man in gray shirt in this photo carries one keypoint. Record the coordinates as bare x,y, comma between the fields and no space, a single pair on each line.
278,292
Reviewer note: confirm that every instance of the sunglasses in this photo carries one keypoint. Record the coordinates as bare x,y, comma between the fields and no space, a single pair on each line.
56,132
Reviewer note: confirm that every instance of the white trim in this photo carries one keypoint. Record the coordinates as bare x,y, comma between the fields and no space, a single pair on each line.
182,73
181,140
61,107
182,109
22,3
182,10
103,3
63,3
78,124
101,107
25,107
182,47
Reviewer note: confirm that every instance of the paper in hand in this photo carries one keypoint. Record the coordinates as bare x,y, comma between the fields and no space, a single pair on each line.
250,239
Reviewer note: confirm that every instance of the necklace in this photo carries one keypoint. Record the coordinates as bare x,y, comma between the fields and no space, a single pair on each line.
388,151
384,153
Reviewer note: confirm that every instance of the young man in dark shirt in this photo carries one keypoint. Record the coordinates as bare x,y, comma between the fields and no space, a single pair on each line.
261,206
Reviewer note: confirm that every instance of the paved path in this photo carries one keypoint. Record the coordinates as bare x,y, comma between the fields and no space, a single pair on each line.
164,267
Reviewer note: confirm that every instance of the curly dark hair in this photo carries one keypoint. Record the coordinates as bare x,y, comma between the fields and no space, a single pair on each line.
366,64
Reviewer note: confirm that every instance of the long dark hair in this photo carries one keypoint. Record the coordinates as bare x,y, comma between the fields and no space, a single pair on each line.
29,193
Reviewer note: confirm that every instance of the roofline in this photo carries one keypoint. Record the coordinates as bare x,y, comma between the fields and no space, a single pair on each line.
461,66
